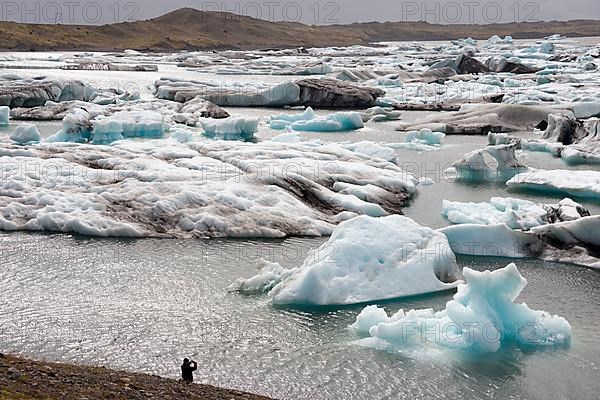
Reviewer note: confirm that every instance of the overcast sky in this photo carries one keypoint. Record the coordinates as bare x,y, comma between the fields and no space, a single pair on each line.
306,11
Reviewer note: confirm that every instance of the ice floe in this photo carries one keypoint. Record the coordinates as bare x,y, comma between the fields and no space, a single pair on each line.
578,183
309,121
26,134
162,188
304,92
482,317
497,163
573,242
515,213
232,128
366,259
4,115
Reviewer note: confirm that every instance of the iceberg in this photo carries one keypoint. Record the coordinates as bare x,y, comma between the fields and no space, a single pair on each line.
425,136
287,137
577,183
200,189
373,150
232,128
26,134
573,241
367,259
515,213
502,164
182,135
310,122
305,92
482,317
4,115
380,114
128,124
268,276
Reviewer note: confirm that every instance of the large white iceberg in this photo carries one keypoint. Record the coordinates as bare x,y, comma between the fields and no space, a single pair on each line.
482,317
309,121
578,183
366,259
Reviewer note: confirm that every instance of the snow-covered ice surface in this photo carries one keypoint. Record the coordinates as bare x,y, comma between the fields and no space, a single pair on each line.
574,183
482,317
199,189
366,259
515,213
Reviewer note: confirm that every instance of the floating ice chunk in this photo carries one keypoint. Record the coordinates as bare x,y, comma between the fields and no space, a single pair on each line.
4,115
492,163
107,130
372,150
128,124
26,134
573,242
310,122
380,114
482,317
368,259
283,121
515,213
497,40
232,128
182,135
269,274
77,127
425,136
492,241
287,137
574,183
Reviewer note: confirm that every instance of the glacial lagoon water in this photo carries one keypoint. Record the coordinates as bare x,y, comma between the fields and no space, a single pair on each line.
143,305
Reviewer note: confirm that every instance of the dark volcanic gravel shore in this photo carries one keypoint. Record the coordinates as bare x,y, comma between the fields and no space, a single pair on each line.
22,379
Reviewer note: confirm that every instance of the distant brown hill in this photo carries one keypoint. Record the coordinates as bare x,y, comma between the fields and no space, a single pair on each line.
188,28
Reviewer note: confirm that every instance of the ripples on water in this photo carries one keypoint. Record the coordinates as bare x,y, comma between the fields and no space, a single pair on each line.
145,304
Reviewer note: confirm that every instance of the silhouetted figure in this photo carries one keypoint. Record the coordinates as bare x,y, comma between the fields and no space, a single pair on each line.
187,370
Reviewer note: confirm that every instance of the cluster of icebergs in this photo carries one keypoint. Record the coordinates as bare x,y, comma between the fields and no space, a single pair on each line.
89,178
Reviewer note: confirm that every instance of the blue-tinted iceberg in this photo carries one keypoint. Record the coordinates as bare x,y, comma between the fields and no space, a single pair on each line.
128,124
26,134
309,121
366,259
482,317
4,115
232,128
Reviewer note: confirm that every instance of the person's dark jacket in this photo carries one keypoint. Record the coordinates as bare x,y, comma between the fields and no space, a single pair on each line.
187,370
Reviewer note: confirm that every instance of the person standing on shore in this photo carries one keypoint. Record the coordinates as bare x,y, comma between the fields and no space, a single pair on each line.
187,370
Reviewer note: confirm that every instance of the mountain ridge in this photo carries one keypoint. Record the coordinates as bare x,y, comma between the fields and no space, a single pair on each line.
192,29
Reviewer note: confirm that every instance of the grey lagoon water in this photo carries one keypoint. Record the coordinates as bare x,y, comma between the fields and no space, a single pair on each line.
144,304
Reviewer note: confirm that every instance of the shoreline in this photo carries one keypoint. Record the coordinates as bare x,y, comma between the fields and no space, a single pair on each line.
26,379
